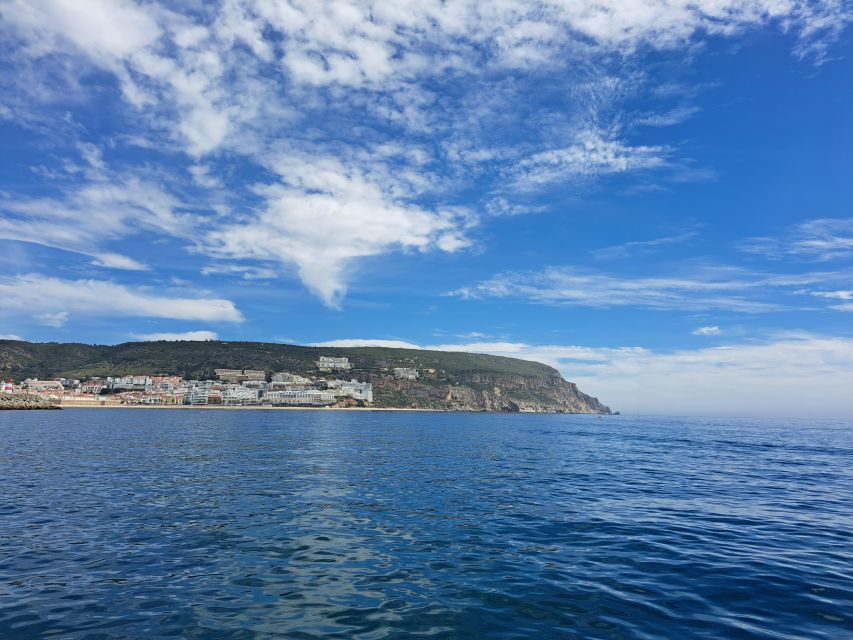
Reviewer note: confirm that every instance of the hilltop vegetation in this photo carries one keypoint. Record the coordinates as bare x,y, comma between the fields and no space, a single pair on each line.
199,359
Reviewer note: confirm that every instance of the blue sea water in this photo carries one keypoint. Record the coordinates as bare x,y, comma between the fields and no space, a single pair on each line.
290,524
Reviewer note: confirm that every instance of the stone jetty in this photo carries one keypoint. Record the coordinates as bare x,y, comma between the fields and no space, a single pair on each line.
26,401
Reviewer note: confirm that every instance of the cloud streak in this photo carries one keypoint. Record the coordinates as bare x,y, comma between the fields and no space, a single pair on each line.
818,240
39,294
709,288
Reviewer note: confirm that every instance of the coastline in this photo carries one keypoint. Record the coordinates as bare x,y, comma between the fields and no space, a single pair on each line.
209,407
220,407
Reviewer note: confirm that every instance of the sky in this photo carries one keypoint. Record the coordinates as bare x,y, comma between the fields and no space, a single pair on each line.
654,197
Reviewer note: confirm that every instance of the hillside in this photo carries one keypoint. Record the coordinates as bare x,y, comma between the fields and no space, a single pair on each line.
449,380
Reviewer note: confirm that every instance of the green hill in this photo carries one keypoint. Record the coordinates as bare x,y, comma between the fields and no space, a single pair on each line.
448,380
199,359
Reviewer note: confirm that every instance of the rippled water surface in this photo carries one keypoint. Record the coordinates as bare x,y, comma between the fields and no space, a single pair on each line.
262,524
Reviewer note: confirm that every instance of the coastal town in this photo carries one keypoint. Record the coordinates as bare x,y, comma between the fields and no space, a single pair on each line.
328,386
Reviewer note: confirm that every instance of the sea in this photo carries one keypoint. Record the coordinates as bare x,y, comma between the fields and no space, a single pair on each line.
122,523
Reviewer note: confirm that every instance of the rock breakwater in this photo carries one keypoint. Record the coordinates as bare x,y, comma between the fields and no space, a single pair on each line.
25,401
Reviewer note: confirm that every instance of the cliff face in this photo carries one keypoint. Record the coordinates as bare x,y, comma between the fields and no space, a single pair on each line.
488,392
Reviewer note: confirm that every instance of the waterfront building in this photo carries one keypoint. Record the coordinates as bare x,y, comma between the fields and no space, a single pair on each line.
196,396
301,398
406,373
328,363
240,396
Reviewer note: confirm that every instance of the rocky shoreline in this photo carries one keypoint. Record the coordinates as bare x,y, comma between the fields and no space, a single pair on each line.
19,401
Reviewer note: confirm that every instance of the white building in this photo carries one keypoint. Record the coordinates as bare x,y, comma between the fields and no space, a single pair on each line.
328,363
128,383
167,383
196,396
240,395
92,386
352,389
407,373
301,398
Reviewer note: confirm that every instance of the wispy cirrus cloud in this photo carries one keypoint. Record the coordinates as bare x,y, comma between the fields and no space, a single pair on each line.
93,205
820,240
845,298
591,155
55,299
635,247
706,288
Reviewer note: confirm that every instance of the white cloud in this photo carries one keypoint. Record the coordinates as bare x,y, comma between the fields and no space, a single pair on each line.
709,288
117,261
244,271
367,342
707,331
201,176
105,30
10,336
836,295
184,63
56,320
591,155
669,118
98,207
786,375
821,239
48,297
174,337
324,215
627,249
350,80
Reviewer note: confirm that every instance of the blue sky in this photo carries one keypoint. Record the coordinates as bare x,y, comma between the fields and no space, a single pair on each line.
656,198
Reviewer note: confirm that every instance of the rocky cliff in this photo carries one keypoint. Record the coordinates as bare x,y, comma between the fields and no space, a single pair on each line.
488,392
